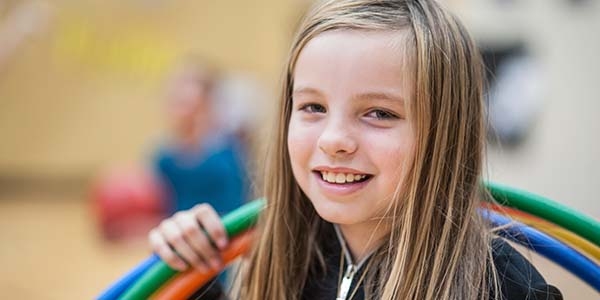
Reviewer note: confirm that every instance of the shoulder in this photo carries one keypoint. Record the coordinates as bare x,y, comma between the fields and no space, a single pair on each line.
518,278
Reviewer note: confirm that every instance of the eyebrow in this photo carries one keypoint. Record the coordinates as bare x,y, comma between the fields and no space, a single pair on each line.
380,96
306,90
363,96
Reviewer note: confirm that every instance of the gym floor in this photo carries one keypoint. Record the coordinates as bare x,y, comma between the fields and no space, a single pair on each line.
53,251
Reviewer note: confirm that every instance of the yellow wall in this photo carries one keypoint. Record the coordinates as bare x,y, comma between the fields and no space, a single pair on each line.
87,91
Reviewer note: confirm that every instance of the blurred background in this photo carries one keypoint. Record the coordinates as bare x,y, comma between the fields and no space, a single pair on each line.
104,107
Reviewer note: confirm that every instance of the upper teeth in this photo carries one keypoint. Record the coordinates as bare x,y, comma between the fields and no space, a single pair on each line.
340,177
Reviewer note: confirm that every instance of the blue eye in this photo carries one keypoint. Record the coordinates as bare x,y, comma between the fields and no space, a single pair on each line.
381,115
313,108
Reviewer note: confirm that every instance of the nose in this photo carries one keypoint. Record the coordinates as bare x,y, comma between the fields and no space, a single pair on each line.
337,139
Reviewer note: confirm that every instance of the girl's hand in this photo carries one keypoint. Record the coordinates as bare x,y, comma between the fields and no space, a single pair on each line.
190,238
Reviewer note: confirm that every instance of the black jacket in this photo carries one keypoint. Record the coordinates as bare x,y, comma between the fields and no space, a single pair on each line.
519,279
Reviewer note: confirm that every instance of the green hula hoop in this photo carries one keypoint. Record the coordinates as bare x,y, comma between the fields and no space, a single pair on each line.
235,222
542,207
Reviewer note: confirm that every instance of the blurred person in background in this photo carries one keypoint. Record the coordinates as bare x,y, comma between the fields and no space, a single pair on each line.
200,160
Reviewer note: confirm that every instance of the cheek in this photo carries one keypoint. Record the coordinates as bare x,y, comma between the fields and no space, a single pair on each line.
300,144
393,152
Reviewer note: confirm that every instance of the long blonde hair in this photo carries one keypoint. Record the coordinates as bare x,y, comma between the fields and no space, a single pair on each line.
438,247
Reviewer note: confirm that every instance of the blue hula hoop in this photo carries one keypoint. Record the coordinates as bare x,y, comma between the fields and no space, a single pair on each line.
547,246
122,284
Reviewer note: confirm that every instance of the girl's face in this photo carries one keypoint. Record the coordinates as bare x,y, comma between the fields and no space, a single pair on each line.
349,133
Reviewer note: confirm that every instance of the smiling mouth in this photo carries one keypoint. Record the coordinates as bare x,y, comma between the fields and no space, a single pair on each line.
343,178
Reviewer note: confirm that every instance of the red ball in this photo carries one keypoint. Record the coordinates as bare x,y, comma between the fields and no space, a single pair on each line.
128,202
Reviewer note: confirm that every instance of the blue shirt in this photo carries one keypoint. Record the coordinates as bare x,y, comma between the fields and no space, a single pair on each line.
215,174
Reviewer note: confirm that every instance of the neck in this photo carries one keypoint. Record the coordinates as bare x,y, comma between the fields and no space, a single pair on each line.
188,137
362,239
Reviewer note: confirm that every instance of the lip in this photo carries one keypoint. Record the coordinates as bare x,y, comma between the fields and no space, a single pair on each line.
339,170
338,190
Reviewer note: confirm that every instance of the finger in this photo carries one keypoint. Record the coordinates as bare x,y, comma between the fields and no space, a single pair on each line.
198,240
161,248
174,237
211,222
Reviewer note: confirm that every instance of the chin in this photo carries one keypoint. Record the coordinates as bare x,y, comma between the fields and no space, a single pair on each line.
334,213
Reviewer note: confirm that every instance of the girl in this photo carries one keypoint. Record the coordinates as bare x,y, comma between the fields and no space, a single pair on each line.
373,176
